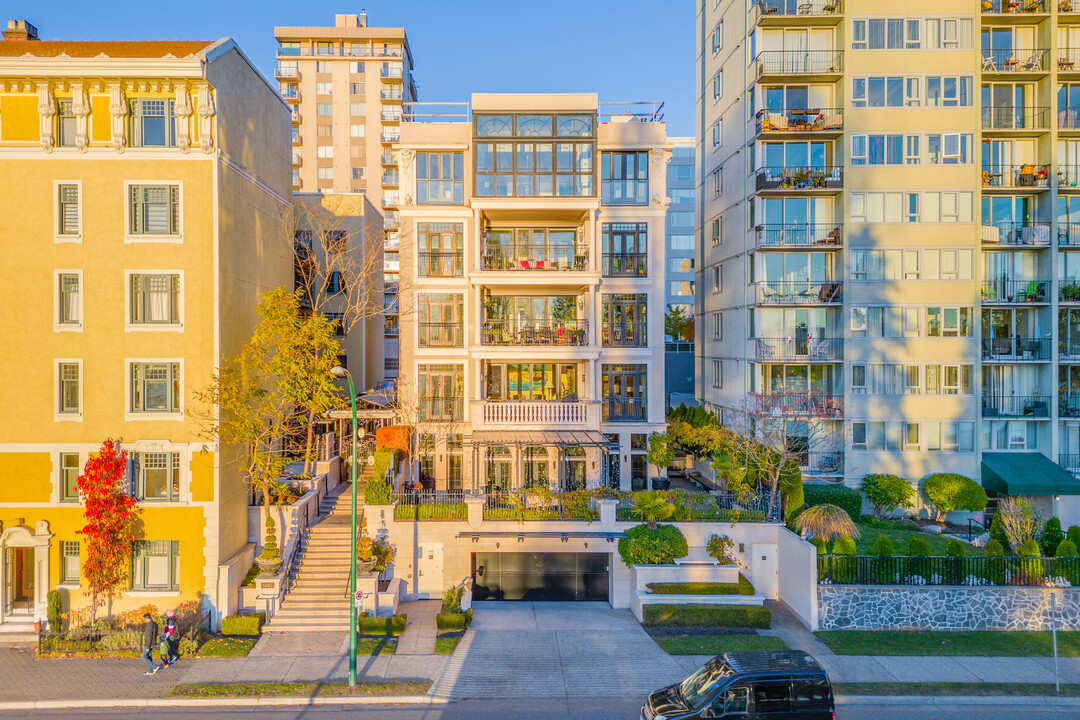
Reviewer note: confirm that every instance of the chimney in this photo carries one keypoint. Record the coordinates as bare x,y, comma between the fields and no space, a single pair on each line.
363,18
20,30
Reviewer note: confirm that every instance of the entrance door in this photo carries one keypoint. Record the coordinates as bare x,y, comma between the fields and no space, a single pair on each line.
540,576
9,579
18,579
429,567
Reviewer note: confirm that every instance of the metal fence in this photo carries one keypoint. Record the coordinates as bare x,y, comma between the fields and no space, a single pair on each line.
961,571
435,505
712,507
105,639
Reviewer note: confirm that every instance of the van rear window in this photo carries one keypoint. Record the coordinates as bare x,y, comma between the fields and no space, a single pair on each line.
814,692
772,697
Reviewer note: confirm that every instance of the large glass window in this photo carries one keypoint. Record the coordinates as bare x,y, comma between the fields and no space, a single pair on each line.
624,390
625,247
155,565
624,178
440,388
440,249
65,124
69,561
70,391
155,210
525,166
534,249
153,123
440,178
69,476
624,318
155,387
157,476
531,381
155,299
439,320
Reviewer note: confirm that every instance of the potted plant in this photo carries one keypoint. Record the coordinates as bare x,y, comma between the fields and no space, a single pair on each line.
269,560
1042,177
1070,292
365,550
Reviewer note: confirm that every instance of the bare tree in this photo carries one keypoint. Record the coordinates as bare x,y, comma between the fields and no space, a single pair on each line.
429,417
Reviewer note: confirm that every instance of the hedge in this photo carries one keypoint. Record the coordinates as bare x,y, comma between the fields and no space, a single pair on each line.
743,587
642,546
748,616
850,500
367,625
454,622
243,624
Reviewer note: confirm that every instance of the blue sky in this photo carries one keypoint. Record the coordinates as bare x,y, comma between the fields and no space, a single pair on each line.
627,50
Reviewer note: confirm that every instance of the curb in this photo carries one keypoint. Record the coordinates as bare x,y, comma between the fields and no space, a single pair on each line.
222,702
953,700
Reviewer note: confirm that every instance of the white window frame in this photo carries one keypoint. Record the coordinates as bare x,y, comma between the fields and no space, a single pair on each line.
718,37
134,415
718,278
57,325
129,237
718,374
64,580
718,326
137,589
57,235
152,327
718,85
57,475
67,416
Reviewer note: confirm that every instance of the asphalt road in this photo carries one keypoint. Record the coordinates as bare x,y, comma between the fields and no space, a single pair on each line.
551,710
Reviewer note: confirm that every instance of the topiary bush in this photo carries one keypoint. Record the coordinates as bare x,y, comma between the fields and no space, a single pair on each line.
377,492
884,566
954,563
850,500
888,492
643,546
454,621
918,550
1067,565
55,610
243,624
997,530
949,491
1073,534
845,566
1031,566
451,602
1051,537
995,563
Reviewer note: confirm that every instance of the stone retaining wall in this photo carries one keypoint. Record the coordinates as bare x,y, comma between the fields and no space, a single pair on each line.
861,607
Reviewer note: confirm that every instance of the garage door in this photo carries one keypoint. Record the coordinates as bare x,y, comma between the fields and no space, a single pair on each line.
540,576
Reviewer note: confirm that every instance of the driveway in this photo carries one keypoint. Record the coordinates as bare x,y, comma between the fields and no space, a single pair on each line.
555,650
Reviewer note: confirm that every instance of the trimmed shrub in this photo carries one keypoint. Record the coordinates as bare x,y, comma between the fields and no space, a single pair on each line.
884,566
819,543
995,563
1070,568
917,547
454,621
1066,548
887,492
55,610
954,549
243,624
1073,534
1031,566
377,492
252,573
949,491
918,550
643,546
719,548
850,500
743,587
883,547
844,567
451,601
367,625
997,530
749,616
954,553
1051,537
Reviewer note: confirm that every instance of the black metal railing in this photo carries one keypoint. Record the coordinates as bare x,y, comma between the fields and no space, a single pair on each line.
1014,60
535,332
798,292
1015,118
534,256
785,8
799,403
1014,7
1068,118
778,120
821,464
429,334
625,264
1068,177
1069,233
696,506
441,409
1016,233
1070,461
785,177
1027,175
1014,291
800,62
440,264
624,410
538,503
435,505
1015,406
1069,347
1016,348
800,348
1068,59
799,235
631,334
1069,406
977,571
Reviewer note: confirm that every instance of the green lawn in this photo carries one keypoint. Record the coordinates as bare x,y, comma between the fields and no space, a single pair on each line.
226,646
743,587
900,539
383,645
985,689
981,643
717,644
306,689
444,645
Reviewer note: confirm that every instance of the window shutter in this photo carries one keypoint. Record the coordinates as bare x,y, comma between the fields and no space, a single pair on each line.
132,468
174,209
136,207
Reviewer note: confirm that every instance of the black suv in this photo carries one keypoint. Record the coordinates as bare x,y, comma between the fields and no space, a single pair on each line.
769,685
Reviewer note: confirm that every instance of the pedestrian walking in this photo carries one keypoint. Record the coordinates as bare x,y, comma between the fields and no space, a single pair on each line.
170,640
150,641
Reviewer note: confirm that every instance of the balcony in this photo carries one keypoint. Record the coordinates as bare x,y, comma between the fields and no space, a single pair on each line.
625,264
390,116
548,333
1024,234
1068,178
1069,347
440,409
535,412
803,403
800,12
534,257
295,115
388,158
390,137
390,92
446,335
821,464
776,64
1070,462
802,349
1014,7
782,235
1016,177
1016,349
1015,406
297,161
1015,118
286,72
390,179
799,292
797,121
1014,60
792,178
1068,60
440,264
1011,292
1068,118
391,73
1069,234
1069,406
291,92
624,410
627,334
1068,11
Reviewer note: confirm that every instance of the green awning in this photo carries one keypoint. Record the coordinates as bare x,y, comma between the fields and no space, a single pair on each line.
1026,473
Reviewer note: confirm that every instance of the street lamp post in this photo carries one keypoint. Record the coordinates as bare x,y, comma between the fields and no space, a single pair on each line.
339,371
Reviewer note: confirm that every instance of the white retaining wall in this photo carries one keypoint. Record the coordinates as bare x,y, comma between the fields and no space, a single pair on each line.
798,576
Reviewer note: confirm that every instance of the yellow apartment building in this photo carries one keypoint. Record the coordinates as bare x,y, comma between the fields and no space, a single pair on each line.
145,185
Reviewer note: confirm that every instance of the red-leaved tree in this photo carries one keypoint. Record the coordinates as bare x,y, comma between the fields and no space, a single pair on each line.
110,524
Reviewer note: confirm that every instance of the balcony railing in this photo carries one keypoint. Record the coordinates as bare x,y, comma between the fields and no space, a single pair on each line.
625,410
1069,233
806,348
1016,176
1006,291
440,334
821,177
821,463
1069,291
1069,406
1013,7
1012,571
785,8
390,137
1015,118
1069,347
390,72
535,412
1016,233
799,403
440,264
390,116
1070,461
1068,59
1068,177
798,292
534,257
799,235
800,62
441,409
630,334
1015,406
390,92
800,120
1016,349
625,264
543,332
388,159
1068,118
290,91
286,72
390,178
1015,60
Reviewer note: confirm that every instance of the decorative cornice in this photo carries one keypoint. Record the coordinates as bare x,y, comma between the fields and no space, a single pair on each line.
46,111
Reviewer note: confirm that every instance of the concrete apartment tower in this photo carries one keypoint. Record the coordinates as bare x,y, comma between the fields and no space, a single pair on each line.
889,224
679,258
533,348
347,85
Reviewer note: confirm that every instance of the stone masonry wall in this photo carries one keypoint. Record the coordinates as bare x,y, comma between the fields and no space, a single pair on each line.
954,608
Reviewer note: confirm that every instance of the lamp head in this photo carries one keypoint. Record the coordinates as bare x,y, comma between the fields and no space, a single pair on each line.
338,371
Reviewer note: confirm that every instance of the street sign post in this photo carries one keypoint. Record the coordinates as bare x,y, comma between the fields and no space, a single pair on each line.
358,600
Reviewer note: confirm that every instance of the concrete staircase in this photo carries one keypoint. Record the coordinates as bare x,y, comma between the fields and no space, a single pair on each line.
319,580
